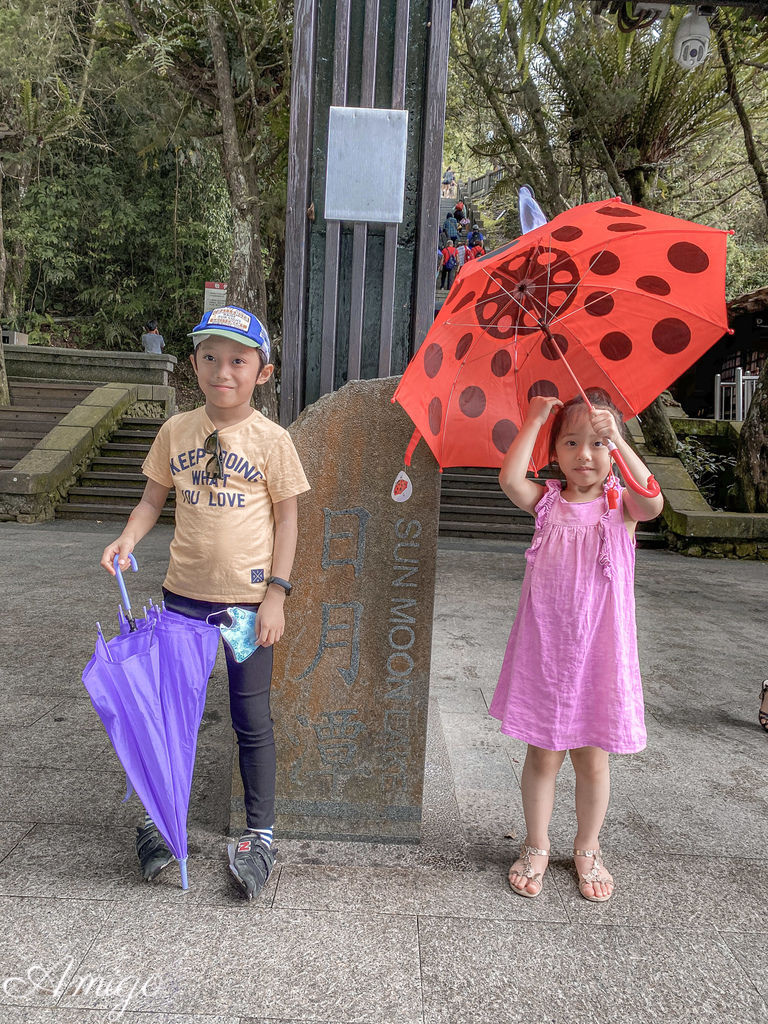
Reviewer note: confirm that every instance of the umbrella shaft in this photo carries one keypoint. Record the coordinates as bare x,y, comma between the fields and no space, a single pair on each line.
556,347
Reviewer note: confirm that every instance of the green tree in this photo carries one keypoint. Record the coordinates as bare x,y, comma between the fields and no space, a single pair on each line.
233,61
46,51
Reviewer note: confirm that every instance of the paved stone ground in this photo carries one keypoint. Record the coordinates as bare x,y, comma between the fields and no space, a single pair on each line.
364,934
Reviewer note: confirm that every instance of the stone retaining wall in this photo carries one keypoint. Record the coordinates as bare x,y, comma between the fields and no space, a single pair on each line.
40,362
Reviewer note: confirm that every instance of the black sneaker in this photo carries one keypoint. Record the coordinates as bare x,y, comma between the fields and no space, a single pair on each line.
152,851
251,862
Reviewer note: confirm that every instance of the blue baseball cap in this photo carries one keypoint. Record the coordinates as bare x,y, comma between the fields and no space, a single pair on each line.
236,324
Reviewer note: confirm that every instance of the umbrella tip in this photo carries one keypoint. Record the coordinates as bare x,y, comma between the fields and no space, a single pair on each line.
183,869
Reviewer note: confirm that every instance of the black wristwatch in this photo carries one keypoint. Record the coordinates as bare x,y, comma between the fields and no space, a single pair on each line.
281,583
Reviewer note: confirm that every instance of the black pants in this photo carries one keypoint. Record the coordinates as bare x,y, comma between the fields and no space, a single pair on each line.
249,683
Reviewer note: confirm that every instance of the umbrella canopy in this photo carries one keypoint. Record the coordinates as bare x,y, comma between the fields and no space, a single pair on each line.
148,687
606,294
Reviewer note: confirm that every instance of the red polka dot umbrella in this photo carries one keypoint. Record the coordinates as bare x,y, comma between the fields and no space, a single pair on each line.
605,295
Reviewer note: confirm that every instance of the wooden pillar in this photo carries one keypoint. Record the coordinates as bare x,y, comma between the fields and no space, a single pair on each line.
359,297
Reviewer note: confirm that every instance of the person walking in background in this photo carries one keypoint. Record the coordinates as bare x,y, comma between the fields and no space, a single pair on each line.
450,263
476,236
448,179
570,681
451,228
152,339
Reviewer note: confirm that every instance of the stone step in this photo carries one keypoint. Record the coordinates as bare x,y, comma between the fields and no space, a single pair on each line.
55,394
141,425
465,528
472,495
123,435
117,494
450,513
111,477
116,462
137,451
15,414
92,511
21,437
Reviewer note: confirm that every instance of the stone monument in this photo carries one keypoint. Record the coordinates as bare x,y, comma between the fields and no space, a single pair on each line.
351,676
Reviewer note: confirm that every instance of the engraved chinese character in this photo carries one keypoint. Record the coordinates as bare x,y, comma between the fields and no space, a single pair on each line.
348,632
351,550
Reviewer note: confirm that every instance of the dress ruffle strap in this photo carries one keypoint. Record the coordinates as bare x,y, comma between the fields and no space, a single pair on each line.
542,510
605,533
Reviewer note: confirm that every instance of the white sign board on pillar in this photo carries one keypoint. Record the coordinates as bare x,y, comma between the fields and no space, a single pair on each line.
215,295
365,176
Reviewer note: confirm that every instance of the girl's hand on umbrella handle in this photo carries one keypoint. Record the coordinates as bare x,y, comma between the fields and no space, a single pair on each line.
541,408
604,424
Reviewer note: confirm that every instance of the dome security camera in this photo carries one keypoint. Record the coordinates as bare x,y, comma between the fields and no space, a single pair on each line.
692,40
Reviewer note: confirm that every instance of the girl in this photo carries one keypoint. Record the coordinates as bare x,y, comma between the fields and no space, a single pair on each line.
570,679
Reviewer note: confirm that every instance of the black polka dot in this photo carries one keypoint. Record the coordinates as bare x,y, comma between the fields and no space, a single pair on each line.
472,401
567,233
604,263
671,335
433,359
598,304
501,363
626,227
503,434
687,257
618,210
653,285
550,351
616,346
545,388
463,300
435,415
463,345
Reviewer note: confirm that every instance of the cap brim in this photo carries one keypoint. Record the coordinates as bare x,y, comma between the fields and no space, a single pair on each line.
222,332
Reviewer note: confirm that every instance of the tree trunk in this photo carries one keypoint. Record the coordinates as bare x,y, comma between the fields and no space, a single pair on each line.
581,110
752,458
741,112
246,286
657,430
16,268
554,199
638,186
3,254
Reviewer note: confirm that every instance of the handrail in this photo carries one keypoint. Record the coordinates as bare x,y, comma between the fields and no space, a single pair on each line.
734,397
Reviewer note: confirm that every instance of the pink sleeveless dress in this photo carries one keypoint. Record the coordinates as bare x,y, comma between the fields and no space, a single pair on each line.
570,676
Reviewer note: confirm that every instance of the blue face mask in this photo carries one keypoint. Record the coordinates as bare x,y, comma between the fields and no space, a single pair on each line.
240,634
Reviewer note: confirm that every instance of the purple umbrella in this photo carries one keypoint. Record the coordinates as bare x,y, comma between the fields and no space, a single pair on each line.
148,688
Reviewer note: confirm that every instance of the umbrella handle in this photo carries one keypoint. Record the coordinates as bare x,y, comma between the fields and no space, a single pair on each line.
651,490
120,582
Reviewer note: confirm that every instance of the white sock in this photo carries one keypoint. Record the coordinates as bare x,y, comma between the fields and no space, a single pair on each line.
264,834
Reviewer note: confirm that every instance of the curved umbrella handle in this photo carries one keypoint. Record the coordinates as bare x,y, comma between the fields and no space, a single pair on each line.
651,490
120,581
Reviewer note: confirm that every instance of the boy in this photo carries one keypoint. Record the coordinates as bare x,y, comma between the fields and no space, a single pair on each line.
237,478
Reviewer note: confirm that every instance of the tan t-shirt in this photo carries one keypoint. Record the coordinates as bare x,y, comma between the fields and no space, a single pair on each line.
222,547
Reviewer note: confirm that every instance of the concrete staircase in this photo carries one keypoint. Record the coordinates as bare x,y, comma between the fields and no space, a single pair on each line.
113,484
473,505
36,406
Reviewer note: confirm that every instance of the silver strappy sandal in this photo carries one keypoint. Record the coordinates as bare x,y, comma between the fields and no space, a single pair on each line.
596,873
526,852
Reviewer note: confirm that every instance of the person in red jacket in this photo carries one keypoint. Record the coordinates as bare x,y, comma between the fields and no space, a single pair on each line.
450,265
